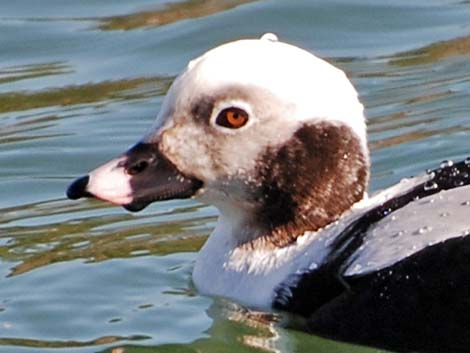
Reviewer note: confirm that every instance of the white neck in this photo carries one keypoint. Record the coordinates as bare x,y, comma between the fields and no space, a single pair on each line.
225,268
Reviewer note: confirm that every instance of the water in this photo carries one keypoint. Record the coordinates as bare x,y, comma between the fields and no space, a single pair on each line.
82,81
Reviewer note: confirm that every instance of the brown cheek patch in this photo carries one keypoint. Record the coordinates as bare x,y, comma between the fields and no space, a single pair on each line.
310,181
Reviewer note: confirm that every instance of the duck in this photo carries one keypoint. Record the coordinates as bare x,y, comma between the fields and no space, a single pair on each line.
275,138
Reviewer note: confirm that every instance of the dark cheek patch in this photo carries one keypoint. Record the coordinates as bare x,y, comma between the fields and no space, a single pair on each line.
310,181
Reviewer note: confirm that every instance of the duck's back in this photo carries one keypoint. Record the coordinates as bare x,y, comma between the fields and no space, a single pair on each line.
398,276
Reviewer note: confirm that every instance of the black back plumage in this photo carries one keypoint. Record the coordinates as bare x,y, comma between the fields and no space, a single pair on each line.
420,303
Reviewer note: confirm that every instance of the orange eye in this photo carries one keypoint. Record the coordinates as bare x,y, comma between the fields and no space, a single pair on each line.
233,118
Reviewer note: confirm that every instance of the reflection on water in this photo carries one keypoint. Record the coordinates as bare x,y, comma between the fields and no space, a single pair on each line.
170,13
415,136
20,131
21,342
82,94
39,236
17,73
434,52
17,128
86,277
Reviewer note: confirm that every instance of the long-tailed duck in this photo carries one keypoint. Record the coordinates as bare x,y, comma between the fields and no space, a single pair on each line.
275,138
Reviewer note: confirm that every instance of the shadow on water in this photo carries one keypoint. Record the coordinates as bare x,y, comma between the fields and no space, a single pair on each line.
170,13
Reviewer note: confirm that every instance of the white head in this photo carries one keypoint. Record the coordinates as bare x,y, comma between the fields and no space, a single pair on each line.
261,129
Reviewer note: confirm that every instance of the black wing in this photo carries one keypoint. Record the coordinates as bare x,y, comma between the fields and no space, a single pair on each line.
421,304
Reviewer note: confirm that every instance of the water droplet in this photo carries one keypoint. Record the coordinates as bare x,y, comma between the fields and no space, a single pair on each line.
356,268
430,185
426,200
445,214
465,203
422,230
398,234
455,172
313,266
447,163
466,232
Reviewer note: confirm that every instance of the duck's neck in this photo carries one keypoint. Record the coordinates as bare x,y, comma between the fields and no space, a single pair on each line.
225,267
249,272
303,185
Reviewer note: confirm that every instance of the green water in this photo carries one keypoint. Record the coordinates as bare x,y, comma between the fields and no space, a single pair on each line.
82,81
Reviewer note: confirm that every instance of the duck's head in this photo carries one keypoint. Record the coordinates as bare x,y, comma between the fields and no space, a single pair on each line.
262,129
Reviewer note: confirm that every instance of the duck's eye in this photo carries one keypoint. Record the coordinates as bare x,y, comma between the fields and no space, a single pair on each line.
233,118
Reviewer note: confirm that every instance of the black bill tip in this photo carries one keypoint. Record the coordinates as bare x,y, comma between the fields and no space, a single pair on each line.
77,189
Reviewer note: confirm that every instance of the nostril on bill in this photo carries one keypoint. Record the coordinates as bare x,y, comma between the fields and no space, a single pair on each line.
137,167
78,188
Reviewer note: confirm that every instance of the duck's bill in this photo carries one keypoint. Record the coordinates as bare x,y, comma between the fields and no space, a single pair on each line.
134,180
